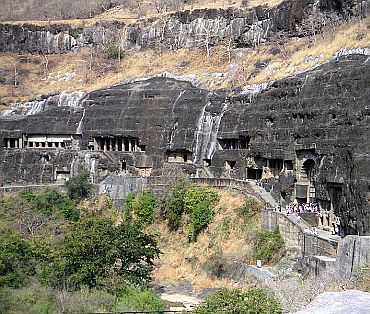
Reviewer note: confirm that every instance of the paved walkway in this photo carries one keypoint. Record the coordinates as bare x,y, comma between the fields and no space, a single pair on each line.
266,196
322,234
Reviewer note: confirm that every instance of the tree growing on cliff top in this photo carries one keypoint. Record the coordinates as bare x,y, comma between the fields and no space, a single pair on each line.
79,187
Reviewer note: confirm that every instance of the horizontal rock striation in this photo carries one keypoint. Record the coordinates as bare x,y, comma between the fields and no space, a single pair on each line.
307,136
189,29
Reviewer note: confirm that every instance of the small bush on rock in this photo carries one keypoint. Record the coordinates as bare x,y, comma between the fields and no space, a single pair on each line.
250,208
193,200
114,51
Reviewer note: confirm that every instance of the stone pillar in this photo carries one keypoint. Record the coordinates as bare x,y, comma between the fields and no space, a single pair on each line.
8,143
129,145
116,140
16,143
103,144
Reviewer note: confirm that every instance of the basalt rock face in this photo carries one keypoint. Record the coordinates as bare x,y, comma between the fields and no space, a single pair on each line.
317,120
189,29
308,136
55,38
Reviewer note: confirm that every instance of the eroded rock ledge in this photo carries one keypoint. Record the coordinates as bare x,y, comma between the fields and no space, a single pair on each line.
189,29
308,135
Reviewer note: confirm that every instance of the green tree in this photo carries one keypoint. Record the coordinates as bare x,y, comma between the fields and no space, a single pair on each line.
96,249
51,202
236,301
16,260
173,204
199,204
140,206
79,187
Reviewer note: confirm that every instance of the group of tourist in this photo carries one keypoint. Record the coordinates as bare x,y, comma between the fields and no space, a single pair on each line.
294,208
261,183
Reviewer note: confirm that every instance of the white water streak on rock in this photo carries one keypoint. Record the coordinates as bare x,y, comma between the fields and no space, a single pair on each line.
206,133
352,51
40,105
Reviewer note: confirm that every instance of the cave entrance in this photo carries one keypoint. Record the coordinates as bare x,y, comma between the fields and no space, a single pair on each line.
335,194
181,155
123,165
230,164
307,179
288,164
62,175
254,174
206,163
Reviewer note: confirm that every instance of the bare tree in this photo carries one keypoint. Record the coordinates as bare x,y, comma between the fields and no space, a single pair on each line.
16,74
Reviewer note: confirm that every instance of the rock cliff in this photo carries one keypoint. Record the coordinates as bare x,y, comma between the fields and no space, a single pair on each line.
307,136
189,29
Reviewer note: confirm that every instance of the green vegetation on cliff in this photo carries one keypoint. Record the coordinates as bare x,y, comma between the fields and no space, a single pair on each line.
197,202
77,253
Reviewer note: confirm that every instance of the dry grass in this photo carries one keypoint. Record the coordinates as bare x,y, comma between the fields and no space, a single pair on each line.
182,261
104,73
34,78
292,59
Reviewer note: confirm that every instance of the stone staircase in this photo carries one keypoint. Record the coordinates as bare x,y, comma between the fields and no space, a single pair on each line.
266,196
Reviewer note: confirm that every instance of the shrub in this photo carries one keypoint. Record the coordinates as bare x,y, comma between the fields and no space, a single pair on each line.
199,202
35,299
96,249
114,51
235,301
87,301
38,299
51,202
268,246
79,187
215,264
140,206
145,207
16,261
250,208
135,299
173,205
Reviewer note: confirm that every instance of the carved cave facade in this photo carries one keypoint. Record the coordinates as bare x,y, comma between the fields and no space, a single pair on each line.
321,157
